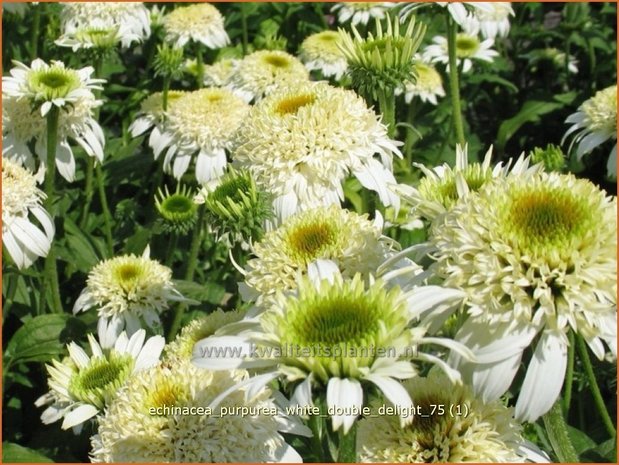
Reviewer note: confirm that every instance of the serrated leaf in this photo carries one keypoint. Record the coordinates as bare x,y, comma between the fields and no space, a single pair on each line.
14,453
580,440
38,339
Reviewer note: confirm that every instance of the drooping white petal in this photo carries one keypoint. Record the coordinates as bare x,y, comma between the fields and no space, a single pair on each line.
345,394
79,415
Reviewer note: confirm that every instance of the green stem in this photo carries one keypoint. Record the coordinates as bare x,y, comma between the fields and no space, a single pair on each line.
386,104
90,168
408,142
192,263
172,242
454,84
244,30
569,374
13,282
36,28
348,445
107,216
51,270
200,66
558,435
316,424
593,384
166,90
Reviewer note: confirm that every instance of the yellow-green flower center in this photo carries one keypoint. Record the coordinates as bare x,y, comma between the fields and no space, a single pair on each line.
310,241
166,394
601,111
544,221
290,105
466,45
444,190
53,83
128,272
276,61
99,381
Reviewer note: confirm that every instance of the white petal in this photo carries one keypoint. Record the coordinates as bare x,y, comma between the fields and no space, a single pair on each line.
135,343
78,355
394,392
542,384
149,355
79,415
347,394
320,270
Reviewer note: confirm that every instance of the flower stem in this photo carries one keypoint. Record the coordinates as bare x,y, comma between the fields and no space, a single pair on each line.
200,66
348,445
569,375
107,216
36,28
454,84
166,90
593,384
558,435
90,168
386,104
51,270
192,263
244,29
316,424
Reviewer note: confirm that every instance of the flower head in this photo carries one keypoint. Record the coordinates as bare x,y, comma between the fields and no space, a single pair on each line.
339,335
320,52
201,22
155,418
45,85
152,115
127,290
263,72
180,349
361,12
427,85
24,239
468,48
594,123
235,208
203,123
552,157
81,386
300,145
84,24
351,240
178,212
384,61
474,431
24,129
443,187
220,73
536,255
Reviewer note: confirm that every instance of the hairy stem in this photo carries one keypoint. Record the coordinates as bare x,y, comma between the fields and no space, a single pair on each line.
558,435
454,84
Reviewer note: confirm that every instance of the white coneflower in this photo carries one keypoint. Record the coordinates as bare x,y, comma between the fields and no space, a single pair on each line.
468,48
82,386
361,12
428,85
594,123
339,335
152,116
536,256
24,239
220,73
202,122
129,290
355,243
46,85
24,129
181,349
451,425
126,22
263,72
492,20
320,52
301,144
160,417
442,187
95,36
201,22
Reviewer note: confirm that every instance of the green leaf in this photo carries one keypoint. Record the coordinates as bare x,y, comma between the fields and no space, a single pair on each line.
14,453
210,292
492,78
580,440
529,113
80,251
38,340
605,452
